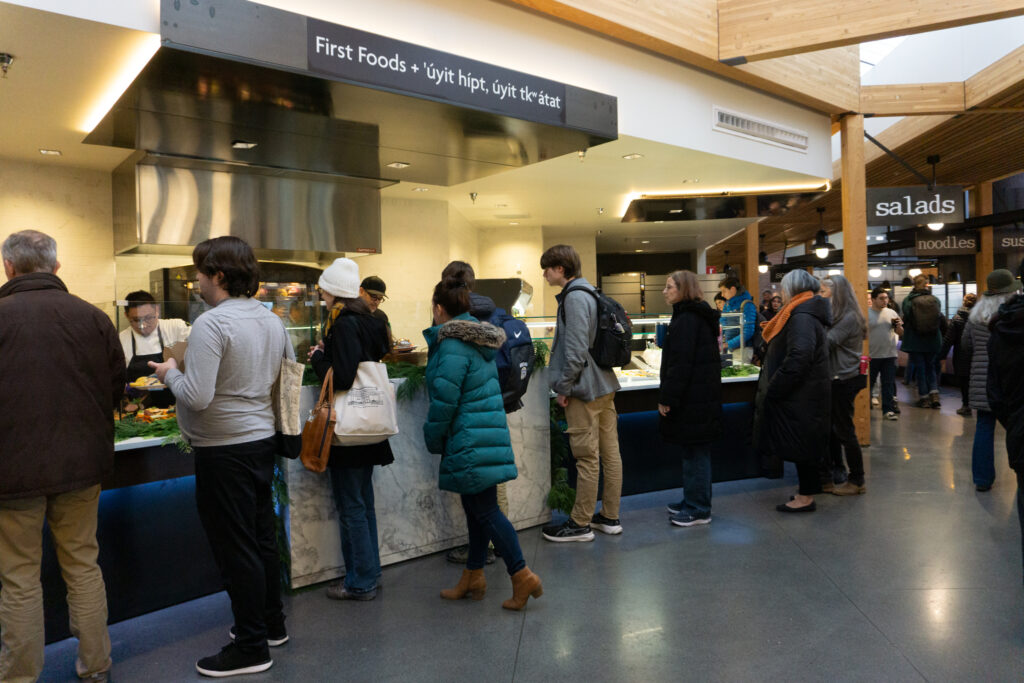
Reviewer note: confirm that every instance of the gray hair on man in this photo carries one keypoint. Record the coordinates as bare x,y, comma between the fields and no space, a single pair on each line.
30,251
797,281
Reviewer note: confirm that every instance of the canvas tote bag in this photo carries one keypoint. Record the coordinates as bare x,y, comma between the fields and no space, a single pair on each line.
286,394
367,413
318,430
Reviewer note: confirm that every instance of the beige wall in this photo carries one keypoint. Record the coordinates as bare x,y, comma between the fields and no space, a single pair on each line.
513,251
72,206
418,239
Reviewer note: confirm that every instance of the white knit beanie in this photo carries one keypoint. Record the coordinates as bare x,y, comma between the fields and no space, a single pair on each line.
341,279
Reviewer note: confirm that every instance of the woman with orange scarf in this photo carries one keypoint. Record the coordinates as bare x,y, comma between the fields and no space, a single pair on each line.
792,405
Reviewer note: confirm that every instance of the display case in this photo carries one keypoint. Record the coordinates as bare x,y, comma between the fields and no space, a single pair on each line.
743,353
645,329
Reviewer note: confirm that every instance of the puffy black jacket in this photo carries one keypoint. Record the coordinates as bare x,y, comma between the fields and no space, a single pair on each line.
691,375
793,393
1006,376
354,338
952,339
62,372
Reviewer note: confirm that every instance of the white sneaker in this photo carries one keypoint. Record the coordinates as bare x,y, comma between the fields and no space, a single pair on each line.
875,402
891,416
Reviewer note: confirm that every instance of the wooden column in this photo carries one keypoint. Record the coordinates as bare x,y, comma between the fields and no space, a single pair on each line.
984,260
750,274
855,250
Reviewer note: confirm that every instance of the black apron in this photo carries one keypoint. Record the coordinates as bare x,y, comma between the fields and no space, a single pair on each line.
139,367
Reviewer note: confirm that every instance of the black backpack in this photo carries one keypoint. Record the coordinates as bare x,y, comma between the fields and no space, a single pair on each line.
924,314
614,336
514,359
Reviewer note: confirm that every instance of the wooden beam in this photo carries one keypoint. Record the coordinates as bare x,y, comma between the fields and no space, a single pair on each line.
855,251
763,29
984,260
802,81
995,79
893,137
912,100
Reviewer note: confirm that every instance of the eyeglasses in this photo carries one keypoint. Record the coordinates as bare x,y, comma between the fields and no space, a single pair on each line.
143,320
377,298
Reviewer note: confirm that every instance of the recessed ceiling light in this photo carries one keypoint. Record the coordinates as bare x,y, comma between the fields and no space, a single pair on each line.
399,164
421,189
242,144
675,210
501,206
513,222
50,152
632,156
645,241
638,250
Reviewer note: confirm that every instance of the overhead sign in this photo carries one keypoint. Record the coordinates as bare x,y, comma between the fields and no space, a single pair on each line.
915,205
353,55
931,243
1008,240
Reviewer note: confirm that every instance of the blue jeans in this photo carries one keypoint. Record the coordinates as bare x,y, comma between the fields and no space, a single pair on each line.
353,495
983,468
486,523
923,367
886,368
697,479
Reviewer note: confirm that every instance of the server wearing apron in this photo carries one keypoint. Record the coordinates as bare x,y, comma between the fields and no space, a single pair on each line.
145,339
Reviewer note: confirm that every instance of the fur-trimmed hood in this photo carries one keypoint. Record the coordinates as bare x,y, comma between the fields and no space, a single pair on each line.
472,332
484,337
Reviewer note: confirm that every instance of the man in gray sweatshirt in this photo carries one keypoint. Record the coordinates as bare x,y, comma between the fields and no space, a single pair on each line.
587,393
225,411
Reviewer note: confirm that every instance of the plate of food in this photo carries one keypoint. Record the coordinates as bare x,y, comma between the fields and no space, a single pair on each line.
404,346
148,383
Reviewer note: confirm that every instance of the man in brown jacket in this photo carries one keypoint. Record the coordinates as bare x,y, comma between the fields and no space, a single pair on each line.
62,372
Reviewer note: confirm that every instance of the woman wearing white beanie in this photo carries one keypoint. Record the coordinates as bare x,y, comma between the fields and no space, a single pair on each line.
352,335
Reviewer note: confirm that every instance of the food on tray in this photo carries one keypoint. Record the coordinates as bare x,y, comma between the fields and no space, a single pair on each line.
155,414
147,381
634,373
740,371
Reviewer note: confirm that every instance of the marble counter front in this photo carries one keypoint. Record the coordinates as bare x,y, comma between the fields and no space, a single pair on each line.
414,517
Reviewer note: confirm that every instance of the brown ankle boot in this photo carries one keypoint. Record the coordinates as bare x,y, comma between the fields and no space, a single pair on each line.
524,584
472,584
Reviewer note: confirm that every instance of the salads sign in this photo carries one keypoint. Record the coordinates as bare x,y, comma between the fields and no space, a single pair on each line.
915,205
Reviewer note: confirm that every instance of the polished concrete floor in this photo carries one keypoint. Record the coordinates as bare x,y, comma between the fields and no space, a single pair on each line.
920,579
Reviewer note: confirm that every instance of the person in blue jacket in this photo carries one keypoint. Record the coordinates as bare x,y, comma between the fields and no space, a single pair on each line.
466,425
738,300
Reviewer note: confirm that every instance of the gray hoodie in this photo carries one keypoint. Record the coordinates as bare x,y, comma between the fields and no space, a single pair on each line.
571,370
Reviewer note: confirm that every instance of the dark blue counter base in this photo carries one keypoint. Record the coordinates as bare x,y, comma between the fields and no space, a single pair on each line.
649,464
153,553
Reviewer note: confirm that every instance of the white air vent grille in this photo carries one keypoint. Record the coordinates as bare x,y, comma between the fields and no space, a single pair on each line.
759,129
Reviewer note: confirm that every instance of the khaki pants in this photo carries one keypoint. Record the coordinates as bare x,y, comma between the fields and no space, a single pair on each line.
72,519
594,437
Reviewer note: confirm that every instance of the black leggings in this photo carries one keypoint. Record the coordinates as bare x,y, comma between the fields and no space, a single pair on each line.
844,434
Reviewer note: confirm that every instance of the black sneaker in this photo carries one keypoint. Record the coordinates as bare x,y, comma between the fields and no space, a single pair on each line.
337,591
676,508
605,525
689,519
276,636
230,661
567,531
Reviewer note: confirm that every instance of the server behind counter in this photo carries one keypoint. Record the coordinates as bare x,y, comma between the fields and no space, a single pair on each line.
146,338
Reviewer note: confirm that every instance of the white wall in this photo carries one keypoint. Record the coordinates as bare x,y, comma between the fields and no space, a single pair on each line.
658,99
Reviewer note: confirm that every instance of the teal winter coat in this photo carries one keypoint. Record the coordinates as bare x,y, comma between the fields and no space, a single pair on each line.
466,419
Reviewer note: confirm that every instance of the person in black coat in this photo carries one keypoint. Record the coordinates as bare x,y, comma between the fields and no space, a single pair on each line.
690,397
1005,386
352,335
794,391
951,339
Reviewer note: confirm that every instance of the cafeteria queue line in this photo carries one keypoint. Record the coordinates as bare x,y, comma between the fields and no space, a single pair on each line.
233,479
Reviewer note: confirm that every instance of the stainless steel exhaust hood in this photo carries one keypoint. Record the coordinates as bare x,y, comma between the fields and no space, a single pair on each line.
259,144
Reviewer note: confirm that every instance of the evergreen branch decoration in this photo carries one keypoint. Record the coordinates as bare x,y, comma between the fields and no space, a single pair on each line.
279,496
540,354
562,496
415,377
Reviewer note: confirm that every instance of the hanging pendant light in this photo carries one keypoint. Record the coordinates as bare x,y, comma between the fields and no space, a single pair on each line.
821,244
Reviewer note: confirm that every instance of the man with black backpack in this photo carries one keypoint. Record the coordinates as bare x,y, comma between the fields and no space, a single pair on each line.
922,340
588,343
514,361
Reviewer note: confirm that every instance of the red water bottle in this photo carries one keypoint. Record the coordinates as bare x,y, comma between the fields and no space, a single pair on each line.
864,362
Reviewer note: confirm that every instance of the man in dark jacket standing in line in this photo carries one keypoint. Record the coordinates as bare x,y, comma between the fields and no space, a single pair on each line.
922,340
51,463
587,392
1005,386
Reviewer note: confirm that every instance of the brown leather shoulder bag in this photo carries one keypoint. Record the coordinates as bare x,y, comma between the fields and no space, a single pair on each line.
318,430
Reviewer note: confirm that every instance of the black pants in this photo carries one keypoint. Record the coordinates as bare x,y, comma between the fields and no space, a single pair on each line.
844,434
233,494
810,481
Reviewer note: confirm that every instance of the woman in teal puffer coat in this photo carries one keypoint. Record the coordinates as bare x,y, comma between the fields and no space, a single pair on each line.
466,426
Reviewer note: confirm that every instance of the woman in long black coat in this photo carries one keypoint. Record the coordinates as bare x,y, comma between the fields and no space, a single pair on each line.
794,390
690,397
